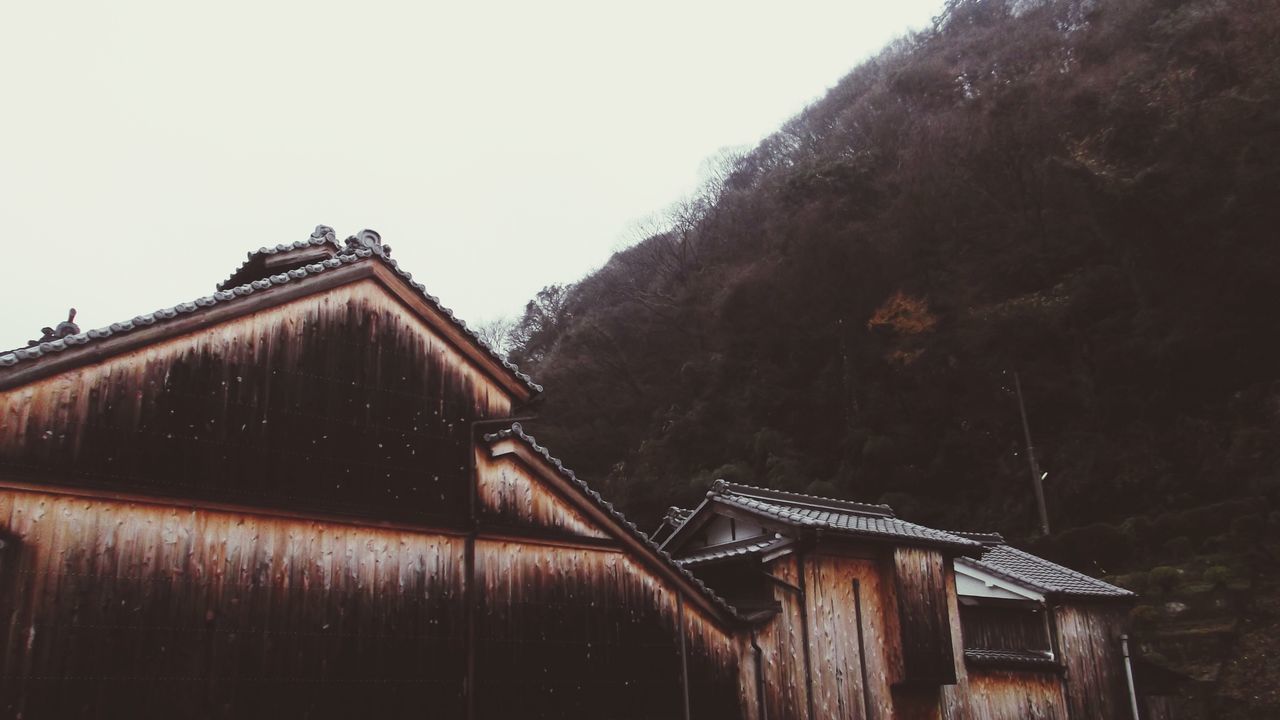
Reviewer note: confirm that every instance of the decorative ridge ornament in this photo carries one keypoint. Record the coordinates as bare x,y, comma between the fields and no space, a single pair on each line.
369,240
63,329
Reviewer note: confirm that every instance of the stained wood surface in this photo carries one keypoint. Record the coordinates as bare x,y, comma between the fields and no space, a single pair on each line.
510,494
783,646
589,633
838,660
1003,695
1089,635
127,610
924,580
341,402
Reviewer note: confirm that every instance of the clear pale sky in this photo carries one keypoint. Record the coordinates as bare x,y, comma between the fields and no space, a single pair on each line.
145,147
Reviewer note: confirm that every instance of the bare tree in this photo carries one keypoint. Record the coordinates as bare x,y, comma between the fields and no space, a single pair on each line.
497,334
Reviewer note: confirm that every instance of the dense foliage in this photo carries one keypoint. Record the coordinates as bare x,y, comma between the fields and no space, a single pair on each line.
1081,192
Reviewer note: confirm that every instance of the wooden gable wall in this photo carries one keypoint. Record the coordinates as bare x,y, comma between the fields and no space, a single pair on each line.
341,401
577,625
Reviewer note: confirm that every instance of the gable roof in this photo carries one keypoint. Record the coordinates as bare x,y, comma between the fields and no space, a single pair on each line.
844,517
655,554
1035,572
361,252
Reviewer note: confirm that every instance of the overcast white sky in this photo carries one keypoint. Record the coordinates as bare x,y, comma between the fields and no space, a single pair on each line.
145,147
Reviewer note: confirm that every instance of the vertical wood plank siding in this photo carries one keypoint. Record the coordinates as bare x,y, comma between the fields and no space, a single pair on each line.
335,402
1004,628
510,495
578,633
923,579
783,645
116,609
1002,695
837,666
1090,638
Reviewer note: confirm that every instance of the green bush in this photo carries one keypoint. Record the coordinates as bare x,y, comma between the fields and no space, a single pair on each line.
1218,576
1135,581
1165,578
1144,616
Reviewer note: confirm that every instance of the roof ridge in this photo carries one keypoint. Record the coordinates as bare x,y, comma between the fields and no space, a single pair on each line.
722,485
875,525
992,538
353,255
322,235
516,431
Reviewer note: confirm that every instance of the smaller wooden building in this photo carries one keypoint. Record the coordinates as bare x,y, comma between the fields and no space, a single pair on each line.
864,615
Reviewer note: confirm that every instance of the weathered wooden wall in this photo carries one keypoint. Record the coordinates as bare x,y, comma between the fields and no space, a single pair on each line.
1005,628
836,613
991,694
783,645
847,588
114,609
589,633
1006,695
509,494
198,528
923,580
1089,635
341,401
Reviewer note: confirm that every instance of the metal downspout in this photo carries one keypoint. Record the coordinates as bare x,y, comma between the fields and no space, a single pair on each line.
762,712
804,626
1128,676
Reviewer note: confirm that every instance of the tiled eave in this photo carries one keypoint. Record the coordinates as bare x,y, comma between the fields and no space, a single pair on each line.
616,519
305,278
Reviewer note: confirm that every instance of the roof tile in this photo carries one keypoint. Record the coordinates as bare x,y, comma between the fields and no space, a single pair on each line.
517,432
1042,574
860,519
225,294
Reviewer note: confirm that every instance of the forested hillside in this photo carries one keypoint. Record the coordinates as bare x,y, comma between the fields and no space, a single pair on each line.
1086,193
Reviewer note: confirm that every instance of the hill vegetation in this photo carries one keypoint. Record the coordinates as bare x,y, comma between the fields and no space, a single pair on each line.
1080,192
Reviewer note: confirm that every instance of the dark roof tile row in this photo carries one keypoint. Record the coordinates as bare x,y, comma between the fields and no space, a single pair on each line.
230,294
1031,659
1048,577
873,521
763,545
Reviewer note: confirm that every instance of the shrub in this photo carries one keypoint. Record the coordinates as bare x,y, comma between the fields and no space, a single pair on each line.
1135,581
1144,616
1218,576
1165,578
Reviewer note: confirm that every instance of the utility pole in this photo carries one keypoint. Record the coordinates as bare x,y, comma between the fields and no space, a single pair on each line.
1037,478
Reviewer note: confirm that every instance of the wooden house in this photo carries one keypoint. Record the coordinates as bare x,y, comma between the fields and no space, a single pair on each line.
304,495
871,616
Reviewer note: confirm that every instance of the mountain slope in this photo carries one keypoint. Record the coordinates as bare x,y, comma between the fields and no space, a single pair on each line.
1080,192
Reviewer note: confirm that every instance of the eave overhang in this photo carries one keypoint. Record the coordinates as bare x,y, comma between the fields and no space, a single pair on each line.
27,365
